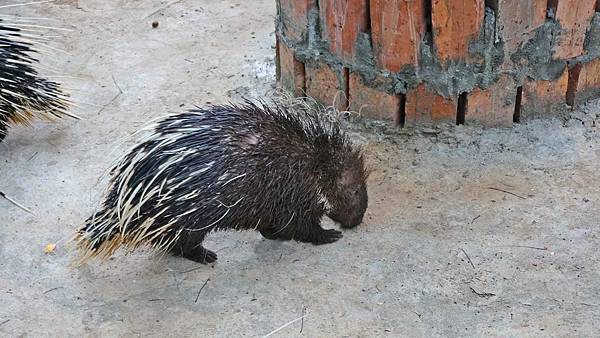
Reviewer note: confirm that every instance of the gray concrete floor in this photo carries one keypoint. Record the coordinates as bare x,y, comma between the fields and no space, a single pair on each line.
441,252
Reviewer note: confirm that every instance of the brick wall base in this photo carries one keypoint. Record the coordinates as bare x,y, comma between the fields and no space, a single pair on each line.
493,62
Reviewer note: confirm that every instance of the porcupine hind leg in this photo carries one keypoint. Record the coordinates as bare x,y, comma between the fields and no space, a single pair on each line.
190,246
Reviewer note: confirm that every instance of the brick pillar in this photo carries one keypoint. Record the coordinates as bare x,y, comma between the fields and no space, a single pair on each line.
488,62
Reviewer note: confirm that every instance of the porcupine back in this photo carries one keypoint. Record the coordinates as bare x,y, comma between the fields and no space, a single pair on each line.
24,94
225,167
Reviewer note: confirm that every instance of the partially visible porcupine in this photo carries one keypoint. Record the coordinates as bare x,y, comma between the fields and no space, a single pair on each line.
230,167
23,93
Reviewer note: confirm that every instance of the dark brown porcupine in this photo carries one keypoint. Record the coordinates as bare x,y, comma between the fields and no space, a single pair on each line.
230,167
23,93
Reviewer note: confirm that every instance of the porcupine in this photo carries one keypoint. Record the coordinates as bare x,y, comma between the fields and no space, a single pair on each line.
248,166
23,93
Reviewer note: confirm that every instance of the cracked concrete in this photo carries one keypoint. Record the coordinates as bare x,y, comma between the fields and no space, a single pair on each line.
469,232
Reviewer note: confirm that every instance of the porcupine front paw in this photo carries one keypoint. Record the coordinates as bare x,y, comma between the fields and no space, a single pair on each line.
325,236
315,235
199,255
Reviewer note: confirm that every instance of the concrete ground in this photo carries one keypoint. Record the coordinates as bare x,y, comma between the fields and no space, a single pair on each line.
469,232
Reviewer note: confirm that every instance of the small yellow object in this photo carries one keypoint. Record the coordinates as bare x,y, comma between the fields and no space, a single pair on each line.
49,248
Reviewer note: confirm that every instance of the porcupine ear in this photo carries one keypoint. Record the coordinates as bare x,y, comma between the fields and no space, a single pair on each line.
366,170
356,166
353,170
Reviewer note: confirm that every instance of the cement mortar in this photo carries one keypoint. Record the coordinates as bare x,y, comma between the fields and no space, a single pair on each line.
592,40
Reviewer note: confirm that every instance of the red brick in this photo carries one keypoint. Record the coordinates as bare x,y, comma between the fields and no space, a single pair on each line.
372,102
342,21
517,20
493,106
292,76
584,82
540,97
397,28
325,84
574,17
294,18
589,77
455,24
423,105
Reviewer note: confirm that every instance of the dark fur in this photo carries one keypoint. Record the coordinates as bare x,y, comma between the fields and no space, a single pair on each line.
286,159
